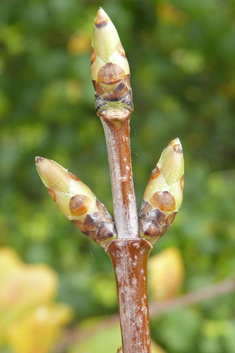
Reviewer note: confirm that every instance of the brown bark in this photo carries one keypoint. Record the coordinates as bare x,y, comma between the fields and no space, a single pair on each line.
129,253
129,258
117,134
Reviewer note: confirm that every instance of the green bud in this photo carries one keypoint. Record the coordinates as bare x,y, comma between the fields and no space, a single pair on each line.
163,194
110,71
105,40
171,162
77,202
53,175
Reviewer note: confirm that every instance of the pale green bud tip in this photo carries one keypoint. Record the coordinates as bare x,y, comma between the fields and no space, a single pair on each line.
107,49
171,162
53,175
168,175
105,39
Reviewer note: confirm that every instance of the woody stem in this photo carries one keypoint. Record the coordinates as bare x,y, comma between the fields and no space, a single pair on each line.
117,134
129,253
129,258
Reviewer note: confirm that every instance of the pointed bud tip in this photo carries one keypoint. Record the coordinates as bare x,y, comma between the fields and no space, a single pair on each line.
176,144
101,12
53,175
101,19
39,159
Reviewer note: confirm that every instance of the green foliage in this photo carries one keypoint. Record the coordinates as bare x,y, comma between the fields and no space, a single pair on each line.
181,55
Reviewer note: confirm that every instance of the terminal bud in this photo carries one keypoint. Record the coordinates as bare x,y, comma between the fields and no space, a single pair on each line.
110,71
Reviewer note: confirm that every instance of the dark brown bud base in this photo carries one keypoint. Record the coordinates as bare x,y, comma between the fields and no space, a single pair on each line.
153,222
113,101
98,226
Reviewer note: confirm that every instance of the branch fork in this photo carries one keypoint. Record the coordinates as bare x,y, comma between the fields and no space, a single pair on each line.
128,241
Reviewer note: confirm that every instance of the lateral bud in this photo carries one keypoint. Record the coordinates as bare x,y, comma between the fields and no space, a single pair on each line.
110,71
163,194
77,202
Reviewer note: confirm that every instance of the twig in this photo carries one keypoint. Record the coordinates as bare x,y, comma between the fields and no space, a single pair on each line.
129,253
129,258
117,134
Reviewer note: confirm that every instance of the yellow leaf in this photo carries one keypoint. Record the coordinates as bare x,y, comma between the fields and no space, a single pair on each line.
28,285
38,331
166,274
9,263
29,321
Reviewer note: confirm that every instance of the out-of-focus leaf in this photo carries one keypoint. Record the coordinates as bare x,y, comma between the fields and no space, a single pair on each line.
170,14
29,320
79,43
9,263
166,274
156,348
38,331
28,286
178,330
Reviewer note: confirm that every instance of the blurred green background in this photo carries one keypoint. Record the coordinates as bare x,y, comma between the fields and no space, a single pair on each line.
182,59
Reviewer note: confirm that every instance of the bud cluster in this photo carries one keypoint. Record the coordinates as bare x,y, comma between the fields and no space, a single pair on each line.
163,195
